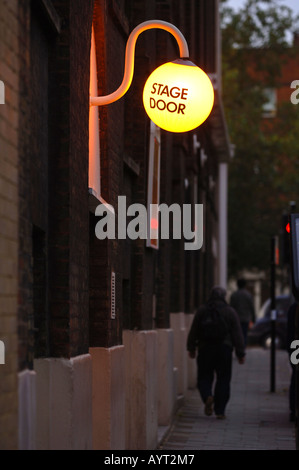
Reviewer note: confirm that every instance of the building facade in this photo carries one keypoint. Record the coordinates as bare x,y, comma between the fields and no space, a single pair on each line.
94,328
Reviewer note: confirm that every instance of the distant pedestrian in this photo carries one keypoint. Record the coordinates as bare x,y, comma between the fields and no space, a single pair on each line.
241,300
215,332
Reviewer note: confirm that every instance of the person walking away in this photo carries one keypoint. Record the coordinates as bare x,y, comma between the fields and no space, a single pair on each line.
214,334
242,302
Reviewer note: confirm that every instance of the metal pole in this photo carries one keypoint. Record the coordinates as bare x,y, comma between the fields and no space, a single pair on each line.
273,314
297,381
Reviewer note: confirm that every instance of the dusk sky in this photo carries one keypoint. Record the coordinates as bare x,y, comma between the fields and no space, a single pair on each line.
293,4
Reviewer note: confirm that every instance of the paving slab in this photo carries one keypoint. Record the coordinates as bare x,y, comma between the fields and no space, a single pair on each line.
256,417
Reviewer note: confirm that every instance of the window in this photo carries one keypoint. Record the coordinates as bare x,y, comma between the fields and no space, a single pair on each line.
269,107
153,192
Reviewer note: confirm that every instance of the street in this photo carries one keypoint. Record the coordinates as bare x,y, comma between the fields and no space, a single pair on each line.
257,419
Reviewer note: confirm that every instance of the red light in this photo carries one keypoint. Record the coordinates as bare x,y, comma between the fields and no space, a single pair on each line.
288,227
154,224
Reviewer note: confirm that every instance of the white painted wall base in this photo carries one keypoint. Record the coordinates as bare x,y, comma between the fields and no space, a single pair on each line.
141,359
64,403
27,409
112,398
108,402
177,323
175,388
166,377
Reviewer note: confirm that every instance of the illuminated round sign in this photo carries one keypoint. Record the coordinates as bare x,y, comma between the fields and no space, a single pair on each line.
178,96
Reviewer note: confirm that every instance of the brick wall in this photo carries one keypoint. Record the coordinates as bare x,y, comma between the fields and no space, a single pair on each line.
111,30
9,67
68,180
53,181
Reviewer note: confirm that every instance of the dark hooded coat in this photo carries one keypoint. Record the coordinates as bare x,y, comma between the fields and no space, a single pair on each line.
234,337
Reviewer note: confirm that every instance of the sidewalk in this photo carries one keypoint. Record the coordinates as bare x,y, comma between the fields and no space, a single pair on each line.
256,418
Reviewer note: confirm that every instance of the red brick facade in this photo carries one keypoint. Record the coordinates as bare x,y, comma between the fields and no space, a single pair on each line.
64,273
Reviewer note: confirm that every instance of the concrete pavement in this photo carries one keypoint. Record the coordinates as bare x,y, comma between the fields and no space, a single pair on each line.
257,419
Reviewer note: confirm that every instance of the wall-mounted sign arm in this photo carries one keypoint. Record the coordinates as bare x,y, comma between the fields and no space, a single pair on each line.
178,96
130,58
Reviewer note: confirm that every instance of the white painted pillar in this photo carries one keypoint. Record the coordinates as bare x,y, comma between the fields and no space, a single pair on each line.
64,403
180,356
141,358
108,397
222,230
27,409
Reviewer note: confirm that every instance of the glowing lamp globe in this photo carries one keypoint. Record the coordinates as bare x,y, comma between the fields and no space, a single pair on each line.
178,96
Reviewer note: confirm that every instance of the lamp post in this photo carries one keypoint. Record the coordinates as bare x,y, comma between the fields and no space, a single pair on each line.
178,96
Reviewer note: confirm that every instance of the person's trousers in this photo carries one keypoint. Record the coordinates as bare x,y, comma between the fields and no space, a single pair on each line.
244,327
215,362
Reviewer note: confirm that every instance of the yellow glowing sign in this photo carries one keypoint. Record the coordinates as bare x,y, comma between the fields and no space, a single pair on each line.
178,96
